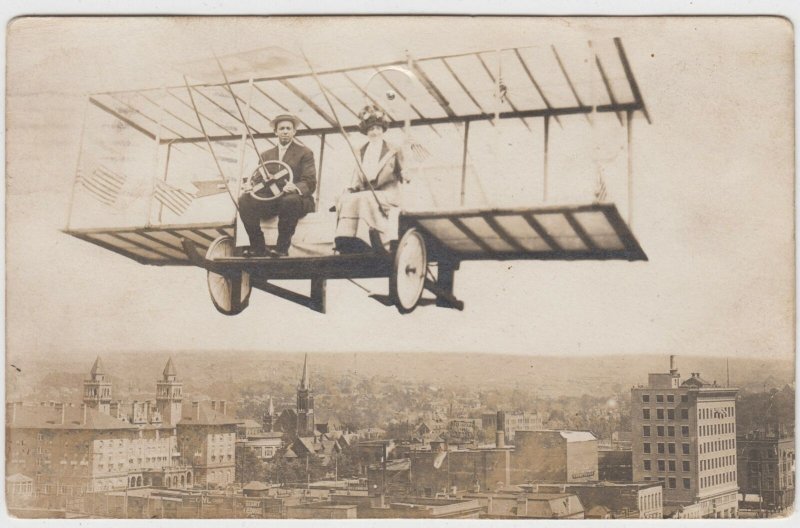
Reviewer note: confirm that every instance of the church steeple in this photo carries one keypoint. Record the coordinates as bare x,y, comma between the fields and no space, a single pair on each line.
305,403
268,420
169,395
305,383
96,390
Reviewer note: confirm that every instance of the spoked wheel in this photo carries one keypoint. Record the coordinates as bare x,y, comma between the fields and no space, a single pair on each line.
407,280
230,292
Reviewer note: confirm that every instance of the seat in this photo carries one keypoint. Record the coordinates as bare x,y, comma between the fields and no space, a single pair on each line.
313,237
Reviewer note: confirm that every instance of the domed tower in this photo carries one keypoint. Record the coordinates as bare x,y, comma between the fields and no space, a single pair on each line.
169,395
97,390
305,403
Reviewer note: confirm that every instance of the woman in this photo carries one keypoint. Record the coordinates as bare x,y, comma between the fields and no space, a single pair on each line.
358,208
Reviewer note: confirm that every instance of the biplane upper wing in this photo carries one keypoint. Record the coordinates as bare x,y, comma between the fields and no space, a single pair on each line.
511,83
583,232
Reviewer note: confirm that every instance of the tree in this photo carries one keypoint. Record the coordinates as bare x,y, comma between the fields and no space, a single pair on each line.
252,468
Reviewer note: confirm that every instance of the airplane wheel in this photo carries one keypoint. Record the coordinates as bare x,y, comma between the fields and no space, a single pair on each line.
407,280
230,292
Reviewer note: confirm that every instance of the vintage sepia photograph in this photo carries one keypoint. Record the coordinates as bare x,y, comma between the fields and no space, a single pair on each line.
400,267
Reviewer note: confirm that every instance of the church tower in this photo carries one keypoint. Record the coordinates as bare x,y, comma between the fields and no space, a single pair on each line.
169,395
96,390
305,404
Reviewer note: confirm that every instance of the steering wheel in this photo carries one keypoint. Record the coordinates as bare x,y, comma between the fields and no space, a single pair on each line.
272,183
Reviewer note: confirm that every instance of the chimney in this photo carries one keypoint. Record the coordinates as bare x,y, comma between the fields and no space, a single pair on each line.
500,434
223,407
673,368
60,411
196,411
84,413
213,405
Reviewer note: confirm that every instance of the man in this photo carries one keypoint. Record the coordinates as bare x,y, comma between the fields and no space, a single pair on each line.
297,199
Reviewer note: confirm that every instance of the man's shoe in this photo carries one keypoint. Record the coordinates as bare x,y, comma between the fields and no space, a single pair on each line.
255,252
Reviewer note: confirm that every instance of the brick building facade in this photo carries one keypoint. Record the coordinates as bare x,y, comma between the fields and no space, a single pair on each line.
684,434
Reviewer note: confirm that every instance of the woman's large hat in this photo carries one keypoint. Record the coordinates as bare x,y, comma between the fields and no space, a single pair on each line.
285,117
372,115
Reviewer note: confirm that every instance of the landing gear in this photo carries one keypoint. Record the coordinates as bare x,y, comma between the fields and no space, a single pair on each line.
230,291
410,266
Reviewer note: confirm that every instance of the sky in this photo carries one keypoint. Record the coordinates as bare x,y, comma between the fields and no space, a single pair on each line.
713,181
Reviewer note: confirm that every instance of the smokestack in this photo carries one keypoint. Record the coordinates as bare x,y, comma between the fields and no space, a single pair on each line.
223,407
500,433
196,410
673,368
84,413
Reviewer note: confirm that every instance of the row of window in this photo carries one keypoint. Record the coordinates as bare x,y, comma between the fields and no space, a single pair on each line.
670,414
716,480
672,484
717,445
110,467
715,429
670,448
668,465
660,398
718,462
652,500
661,430
716,412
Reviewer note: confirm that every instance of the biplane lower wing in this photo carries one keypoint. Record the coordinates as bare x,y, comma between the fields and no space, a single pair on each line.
582,232
155,245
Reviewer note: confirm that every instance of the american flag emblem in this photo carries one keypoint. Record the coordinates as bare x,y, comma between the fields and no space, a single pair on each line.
600,192
174,199
103,184
417,149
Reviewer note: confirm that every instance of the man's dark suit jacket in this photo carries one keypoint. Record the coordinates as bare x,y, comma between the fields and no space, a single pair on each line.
301,160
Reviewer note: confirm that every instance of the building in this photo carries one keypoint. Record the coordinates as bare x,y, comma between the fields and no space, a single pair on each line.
529,505
634,500
463,429
207,442
538,456
684,434
767,467
615,465
69,451
512,422
555,456
445,471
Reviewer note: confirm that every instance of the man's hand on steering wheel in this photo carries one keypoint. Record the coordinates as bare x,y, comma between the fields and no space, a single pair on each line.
290,187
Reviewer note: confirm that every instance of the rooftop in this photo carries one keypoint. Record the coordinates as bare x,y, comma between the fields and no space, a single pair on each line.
49,417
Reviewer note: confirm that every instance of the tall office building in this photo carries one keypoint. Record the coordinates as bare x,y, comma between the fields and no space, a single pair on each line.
684,434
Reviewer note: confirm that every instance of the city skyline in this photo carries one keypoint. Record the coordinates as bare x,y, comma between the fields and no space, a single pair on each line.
172,442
